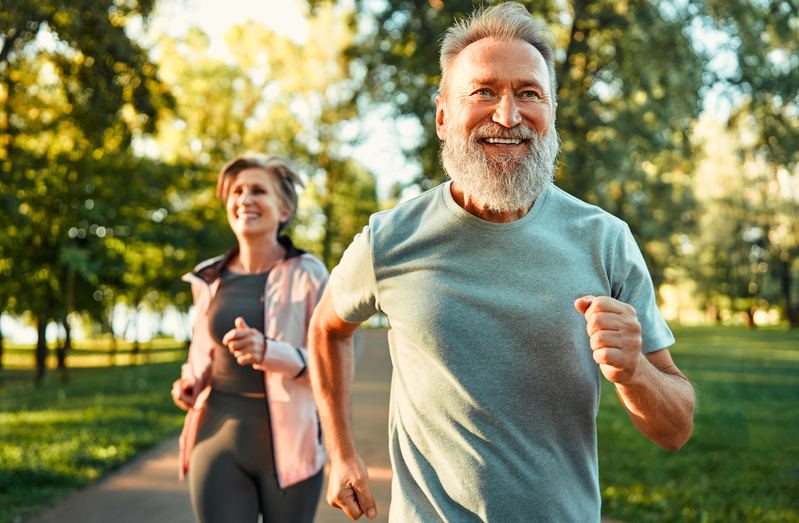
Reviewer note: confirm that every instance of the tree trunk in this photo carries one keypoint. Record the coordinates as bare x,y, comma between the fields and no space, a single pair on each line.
1,347
327,240
1,355
6,140
41,343
63,351
7,132
785,283
749,317
579,11
112,353
327,211
713,312
134,351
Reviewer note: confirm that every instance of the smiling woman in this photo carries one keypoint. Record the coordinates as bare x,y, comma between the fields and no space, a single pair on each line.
268,179
253,204
251,441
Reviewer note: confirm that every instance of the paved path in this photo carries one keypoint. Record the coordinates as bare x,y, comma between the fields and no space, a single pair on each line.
145,490
148,490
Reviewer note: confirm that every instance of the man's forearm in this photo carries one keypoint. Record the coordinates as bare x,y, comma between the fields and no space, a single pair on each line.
331,368
660,403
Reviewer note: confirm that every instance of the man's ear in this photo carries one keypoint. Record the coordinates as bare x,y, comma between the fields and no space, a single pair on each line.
440,118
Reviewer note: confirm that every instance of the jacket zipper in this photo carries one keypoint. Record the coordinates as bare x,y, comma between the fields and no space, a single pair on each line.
266,393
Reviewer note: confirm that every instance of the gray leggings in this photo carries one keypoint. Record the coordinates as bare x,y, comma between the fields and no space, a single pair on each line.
232,472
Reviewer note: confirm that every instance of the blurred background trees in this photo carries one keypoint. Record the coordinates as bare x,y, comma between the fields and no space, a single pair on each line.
109,150
74,91
109,156
275,96
632,76
768,55
624,132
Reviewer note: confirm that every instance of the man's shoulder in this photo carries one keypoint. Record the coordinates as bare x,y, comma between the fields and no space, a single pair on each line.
568,206
406,215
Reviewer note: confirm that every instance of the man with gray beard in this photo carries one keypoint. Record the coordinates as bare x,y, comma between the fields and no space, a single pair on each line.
506,299
503,182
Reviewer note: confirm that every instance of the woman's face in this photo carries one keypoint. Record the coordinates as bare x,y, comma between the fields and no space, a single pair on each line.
253,204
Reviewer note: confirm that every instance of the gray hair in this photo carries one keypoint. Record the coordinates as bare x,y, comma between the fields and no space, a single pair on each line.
288,177
506,21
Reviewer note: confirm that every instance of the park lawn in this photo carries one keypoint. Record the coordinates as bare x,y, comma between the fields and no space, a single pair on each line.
742,462
95,353
58,437
741,465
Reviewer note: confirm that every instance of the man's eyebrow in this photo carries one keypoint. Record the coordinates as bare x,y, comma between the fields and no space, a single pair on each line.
526,82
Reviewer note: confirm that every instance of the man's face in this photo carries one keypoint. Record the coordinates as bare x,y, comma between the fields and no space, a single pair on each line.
496,118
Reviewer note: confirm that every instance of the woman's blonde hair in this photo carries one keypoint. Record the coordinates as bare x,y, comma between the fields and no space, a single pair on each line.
287,174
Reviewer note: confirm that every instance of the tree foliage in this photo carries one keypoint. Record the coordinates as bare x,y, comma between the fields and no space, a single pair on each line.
765,39
74,91
629,86
275,96
743,255
108,156
631,75
109,179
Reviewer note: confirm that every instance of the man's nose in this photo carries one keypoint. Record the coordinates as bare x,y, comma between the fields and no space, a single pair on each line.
506,113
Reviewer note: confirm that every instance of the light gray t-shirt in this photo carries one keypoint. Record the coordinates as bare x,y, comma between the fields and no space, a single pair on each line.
495,392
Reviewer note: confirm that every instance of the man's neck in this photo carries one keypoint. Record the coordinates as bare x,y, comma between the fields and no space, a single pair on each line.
479,210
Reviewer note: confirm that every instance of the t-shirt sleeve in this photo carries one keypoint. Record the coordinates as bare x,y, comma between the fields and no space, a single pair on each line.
353,285
633,285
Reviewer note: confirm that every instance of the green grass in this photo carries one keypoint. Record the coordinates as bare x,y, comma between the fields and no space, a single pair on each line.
58,437
95,353
742,462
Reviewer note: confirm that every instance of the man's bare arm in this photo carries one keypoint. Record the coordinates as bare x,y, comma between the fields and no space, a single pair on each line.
331,367
658,398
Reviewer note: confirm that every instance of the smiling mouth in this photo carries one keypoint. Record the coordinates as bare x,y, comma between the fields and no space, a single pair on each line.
248,216
503,141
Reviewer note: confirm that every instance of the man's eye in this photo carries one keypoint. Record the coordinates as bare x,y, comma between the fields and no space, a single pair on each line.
484,92
529,94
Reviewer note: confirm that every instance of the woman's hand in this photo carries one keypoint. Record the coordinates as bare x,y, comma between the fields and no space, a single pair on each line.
183,393
247,345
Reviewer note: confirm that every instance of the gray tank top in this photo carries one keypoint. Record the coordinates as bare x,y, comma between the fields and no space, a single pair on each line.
237,295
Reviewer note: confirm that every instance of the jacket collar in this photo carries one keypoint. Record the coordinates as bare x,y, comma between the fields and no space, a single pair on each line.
210,272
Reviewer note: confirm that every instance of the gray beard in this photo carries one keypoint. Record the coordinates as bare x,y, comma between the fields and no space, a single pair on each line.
503,182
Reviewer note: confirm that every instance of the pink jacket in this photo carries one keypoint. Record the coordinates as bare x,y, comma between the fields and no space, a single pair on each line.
293,288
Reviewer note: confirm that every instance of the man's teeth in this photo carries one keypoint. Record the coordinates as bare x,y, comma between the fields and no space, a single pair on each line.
504,141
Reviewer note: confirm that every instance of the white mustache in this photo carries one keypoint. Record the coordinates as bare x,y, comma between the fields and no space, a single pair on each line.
494,130
503,182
